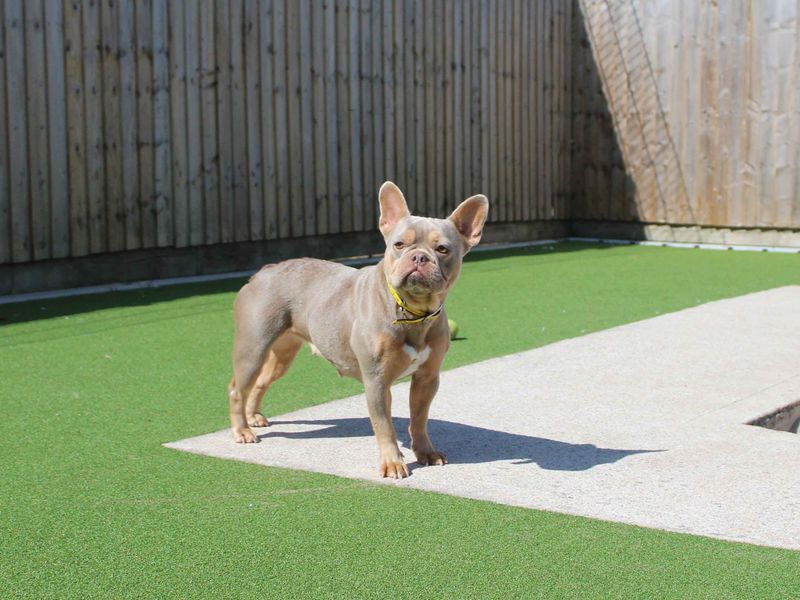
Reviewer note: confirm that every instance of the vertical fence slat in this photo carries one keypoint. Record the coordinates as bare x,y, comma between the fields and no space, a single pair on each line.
408,149
376,80
578,116
502,112
464,188
387,37
431,176
95,135
485,127
57,144
331,118
307,126
17,132
224,118
558,69
753,141
566,108
294,149
269,126
398,75
541,141
548,50
144,125
617,206
253,124
571,15
493,147
765,104
354,40
510,111
343,116
476,140
209,82
457,136
543,67
740,82
5,196
38,165
418,53
162,139
728,75
528,160
370,186
282,96
518,129
195,184
794,211
178,113
128,106
318,51
76,123
109,32
439,175
448,76
240,169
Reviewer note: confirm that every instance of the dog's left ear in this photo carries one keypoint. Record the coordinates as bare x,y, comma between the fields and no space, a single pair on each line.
393,207
469,218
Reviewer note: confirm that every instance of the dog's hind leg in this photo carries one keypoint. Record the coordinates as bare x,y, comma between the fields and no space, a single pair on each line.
254,337
279,357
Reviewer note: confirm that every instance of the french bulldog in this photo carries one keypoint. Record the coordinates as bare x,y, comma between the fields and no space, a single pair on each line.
375,324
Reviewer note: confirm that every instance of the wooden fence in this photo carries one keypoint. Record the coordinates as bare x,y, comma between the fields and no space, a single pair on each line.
169,124
130,124
705,103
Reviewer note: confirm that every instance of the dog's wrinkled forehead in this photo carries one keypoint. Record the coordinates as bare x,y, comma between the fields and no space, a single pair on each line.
422,231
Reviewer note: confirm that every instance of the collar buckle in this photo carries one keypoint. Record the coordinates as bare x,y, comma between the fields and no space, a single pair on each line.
420,317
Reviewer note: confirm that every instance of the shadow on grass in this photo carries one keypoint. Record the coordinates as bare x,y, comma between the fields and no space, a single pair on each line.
558,247
467,444
35,310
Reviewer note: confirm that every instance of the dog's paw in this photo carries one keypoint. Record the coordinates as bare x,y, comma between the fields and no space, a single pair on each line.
257,420
245,435
431,457
394,468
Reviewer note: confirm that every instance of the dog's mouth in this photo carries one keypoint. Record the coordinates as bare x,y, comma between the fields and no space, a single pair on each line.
420,279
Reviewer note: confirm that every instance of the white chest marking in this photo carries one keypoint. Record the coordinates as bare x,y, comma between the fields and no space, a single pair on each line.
417,358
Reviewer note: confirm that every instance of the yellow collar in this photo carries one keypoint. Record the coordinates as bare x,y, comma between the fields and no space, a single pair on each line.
421,317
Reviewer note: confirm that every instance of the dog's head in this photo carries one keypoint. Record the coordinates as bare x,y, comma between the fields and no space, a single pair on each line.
423,255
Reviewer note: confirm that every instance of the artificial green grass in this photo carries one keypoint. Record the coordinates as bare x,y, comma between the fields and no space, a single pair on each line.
91,505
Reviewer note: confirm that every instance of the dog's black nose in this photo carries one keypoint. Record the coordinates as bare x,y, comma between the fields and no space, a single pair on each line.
420,258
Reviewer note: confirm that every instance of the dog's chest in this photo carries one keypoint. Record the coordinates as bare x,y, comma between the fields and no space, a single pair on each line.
418,357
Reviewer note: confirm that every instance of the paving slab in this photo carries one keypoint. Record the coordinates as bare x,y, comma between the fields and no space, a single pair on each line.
642,424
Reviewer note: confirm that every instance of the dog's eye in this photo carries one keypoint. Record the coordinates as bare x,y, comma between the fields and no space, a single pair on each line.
399,245
442,249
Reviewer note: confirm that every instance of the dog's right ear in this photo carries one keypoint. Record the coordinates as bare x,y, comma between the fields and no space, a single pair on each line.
393,207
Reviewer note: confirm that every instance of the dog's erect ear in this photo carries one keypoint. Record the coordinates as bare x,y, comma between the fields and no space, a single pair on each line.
469,218
393,207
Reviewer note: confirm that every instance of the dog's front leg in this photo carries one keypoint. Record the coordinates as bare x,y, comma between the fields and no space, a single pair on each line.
379,403
424,385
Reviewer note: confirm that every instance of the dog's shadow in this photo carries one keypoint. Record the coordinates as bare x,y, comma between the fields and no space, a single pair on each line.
468,444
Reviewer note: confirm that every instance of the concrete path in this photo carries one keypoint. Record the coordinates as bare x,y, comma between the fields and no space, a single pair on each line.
641,424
